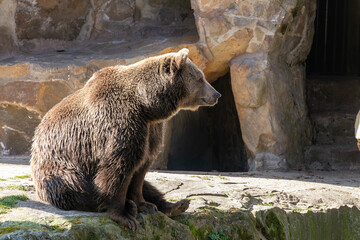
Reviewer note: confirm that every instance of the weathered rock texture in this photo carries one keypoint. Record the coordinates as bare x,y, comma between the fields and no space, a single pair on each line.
268,206
333,116
57,45
269,88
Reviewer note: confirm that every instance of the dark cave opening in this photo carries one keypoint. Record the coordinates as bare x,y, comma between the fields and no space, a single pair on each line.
210,138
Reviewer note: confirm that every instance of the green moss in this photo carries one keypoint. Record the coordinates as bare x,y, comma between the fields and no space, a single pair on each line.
19,187
2,179
179,199
192,228
275,227
222,177
103,220
244,234
75,220
12,226
4,230
92,236
22,176
9,202
302,209
268,194
55,228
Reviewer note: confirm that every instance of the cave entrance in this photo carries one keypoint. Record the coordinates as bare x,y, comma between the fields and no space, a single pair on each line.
210,138
333,83
336,44
333,65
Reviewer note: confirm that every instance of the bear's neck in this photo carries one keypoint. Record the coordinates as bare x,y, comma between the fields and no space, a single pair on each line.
160,107
159,97
161,104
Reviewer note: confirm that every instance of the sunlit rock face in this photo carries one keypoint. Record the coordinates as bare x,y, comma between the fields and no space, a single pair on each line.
51,48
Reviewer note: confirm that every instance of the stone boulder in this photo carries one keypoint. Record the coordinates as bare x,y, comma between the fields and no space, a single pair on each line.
269,90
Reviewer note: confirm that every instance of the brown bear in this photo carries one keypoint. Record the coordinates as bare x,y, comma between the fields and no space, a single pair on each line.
92,150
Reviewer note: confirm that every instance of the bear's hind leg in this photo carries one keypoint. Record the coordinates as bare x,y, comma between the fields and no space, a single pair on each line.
153,195
65,190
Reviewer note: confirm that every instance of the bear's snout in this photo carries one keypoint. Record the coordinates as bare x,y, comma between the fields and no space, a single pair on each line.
212,99
217,95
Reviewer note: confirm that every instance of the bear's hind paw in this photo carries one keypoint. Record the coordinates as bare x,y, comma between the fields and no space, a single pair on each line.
175,209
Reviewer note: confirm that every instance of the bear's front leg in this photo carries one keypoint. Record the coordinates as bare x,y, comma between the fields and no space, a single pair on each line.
112,185
135,190
125,216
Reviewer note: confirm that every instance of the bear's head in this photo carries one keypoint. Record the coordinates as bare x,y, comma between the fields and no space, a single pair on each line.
173,82
181,72
198,92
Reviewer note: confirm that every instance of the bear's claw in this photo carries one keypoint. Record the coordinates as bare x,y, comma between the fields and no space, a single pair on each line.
147,207
131,207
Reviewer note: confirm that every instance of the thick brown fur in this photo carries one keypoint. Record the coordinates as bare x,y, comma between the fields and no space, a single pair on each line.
92,150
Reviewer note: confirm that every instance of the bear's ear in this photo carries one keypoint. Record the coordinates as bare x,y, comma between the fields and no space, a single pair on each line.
180,58
175,62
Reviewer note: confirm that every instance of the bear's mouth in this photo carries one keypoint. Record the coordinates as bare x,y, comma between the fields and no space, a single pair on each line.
209,102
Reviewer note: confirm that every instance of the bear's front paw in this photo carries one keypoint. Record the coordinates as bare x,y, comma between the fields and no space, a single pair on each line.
147,207
124,220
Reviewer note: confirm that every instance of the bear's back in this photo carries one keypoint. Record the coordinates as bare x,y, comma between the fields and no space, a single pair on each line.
78,126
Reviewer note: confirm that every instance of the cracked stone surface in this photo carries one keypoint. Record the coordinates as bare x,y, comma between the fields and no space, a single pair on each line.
294,194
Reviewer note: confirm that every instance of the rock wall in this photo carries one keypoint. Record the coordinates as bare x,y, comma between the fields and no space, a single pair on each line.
265,43
50,48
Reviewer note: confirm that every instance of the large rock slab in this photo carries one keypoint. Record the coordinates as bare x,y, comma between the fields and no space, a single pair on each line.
50,19
273,118
257,205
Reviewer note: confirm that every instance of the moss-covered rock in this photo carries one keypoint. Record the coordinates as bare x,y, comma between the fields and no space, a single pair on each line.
274,224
